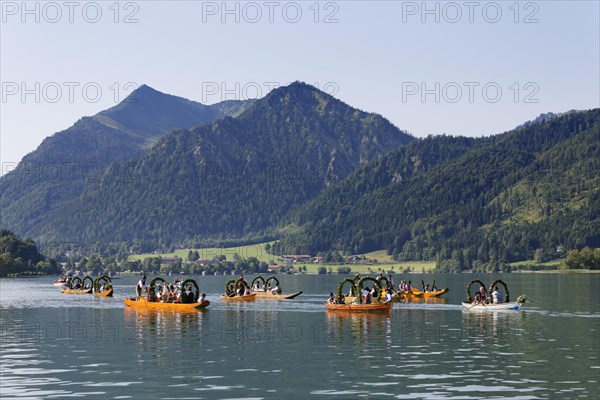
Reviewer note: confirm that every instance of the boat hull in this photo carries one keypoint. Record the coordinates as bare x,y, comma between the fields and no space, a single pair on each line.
106,293
142,303
492,307
437,293
360,308
271,296
76,291
247,297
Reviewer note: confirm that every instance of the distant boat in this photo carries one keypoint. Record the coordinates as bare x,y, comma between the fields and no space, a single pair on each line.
62,281
266,291
362,308
474,303
516,306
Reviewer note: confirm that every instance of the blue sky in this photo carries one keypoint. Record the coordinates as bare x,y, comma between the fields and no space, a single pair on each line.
461,68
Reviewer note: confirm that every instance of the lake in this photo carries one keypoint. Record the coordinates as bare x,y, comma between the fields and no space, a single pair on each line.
60,346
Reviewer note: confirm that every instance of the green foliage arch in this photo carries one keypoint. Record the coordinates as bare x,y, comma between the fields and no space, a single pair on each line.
195,290
102,279
340,289
501,282
469,298
152,288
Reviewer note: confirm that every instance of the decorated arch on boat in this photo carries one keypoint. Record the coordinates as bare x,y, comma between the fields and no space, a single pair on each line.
501,282
194,291
259,279
88,282
241,282
155,284
230,287
73,282
271,279
469,298
385,282
340,289
376,284
102,281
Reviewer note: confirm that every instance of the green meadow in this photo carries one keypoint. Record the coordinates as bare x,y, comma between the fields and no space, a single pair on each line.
376,261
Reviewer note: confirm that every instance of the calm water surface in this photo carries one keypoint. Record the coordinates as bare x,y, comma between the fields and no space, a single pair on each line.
62,346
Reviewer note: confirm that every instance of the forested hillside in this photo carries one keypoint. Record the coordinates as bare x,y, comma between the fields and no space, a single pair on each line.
233,178
466,202
49,179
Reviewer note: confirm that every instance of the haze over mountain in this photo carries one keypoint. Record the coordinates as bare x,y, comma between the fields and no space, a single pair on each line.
57,172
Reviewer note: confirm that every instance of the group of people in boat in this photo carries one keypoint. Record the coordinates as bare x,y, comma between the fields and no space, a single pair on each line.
170,293
273,289
368,294
481,297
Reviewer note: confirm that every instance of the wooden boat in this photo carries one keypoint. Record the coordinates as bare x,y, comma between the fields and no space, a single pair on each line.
106,293
360,308
77,285
516,306
103,287
417,293
483,306
409,294
263,288
142,303
76,291
271,296
60,282
246,297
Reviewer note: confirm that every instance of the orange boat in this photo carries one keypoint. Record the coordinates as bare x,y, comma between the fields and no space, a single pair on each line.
106,293
246,297
103,287
357,306
77,285
437,293
144,304
233,286
76,291
373,307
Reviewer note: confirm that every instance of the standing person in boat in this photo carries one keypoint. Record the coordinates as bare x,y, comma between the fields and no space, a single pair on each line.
141,286
202,297
391,281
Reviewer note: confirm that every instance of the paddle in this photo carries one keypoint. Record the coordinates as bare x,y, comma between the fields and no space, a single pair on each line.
476,304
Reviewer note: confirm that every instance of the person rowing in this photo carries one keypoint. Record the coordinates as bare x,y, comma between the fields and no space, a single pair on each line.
141,286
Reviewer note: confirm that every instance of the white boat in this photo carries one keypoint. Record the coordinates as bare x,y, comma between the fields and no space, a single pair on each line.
516,306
